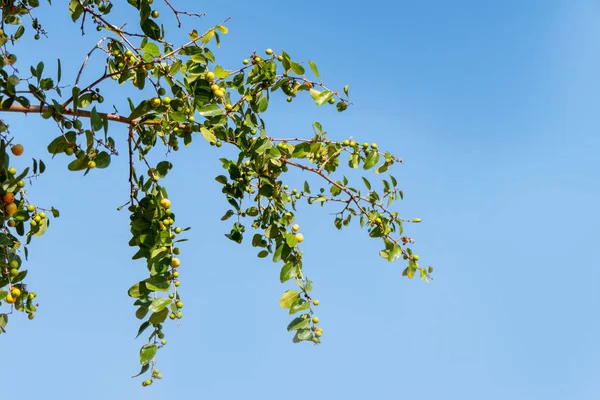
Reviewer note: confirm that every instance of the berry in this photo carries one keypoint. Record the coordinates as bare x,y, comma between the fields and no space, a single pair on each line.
10,299
176,250
165,203
175,262
162,91
299,237
318,333
316,302
154,14
31,316
155,102
178,230
11,208
17,149
269,51
8,198
295,227
315,320
245,61
210,76
21,184
179,304
177,283
16,292
13,264
14,272
91,164
12,170
42,215
166,101
163,342
31,208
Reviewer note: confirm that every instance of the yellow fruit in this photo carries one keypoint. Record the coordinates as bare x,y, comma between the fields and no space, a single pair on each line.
165,203
175,262
10,299
155,102
316,302
11,208
17,149
315,320
299,237
210,76
16,292
318,333
219,93
295,227
91,164
12,171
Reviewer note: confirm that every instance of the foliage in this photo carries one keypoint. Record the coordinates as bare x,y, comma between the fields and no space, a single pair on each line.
184,83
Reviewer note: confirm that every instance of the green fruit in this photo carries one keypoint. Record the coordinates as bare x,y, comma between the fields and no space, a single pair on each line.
179,315
269,51
176,250
31,208
289,99
14,272
21,184
77,124
154,14
315,320
245,61
178,230
171,295
162,91
166,101
12,170
210,76
69,151
172,316
13,264
163,342
331,101
179,304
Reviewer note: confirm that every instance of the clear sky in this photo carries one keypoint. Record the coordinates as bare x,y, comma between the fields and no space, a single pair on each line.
493,106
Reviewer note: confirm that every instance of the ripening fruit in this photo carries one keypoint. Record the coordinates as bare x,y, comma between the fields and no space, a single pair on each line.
331,101
175,274
318,333
178,230
21,184
295,227
13,264
37,219
210,76
31,295
14,272
69,151
11,208
42,215
12,223
163,342
374,146
177,283
257,59
165,203
175,262
269,51
316,302
245,61
172,316
179,304
16,292
155,102
416,257
31,316
179,314
315,320
12,170
416,220
31,208
154,14
171,295
8,198
219,93
289,99
10,299
91,164
166,101
17,149
299,237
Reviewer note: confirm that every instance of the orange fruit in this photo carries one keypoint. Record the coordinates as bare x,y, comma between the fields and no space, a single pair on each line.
17,149
8,198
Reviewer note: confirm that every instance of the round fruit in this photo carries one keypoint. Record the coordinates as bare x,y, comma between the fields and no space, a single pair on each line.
11,208
31,316
16,292
155,102
179,314
91,164
31,208
69,151
163,342
176,250
165,203
316,302
17,149
12,223
166,101
14,272
179,304
210,76
42,215
175,274
13,264
295,227
289,99
245,61
374,146
32,223
21,184
172,316
12,170
154,14
162,91
8,198
177,283
269,51
315,320
171,295
416,257
175,262
318,333
10,299
31,295
219,93
178,230
299,237
331,101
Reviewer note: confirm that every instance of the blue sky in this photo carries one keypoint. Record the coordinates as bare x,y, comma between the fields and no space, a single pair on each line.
494,108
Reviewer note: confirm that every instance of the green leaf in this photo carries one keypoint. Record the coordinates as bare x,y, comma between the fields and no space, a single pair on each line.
144,369
152,49
304,334
141,312
221,73
324,97
394,253
300,322
137,290
159,304
102,160
142,328
297,68
159,317
158,284
208,135
299,305
314,69
288,271
147,353
371,160
288,298
211,110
